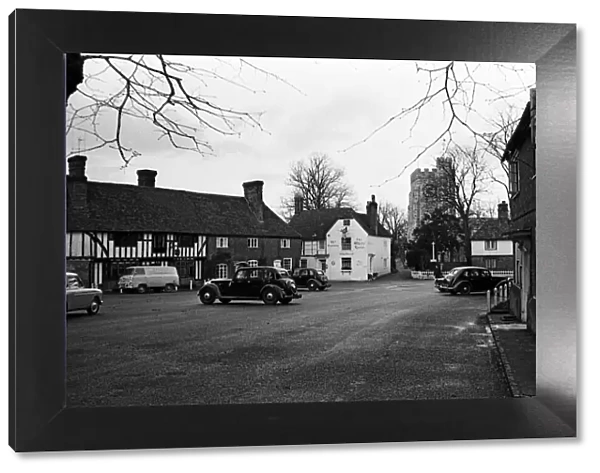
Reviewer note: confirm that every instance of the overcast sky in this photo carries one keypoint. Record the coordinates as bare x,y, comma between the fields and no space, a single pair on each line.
324,105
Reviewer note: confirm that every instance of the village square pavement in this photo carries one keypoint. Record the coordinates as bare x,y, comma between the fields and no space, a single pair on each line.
391,339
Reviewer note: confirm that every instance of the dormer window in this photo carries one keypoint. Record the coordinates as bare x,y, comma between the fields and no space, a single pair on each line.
347,222
285,243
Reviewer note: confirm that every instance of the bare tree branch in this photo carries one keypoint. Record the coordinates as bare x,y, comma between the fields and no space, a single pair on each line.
457,88
153,88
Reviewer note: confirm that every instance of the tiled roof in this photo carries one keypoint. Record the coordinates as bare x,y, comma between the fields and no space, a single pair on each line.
491,229
520,133
314,224
122,207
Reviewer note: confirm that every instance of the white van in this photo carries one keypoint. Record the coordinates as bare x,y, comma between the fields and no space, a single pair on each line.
143,278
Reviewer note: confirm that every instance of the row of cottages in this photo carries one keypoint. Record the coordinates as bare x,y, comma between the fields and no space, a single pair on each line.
112,226
520,156
347,245
491,247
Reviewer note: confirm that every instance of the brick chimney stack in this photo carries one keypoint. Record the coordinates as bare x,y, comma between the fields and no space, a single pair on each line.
372,215
253,192
146,178
77,168
298,204
503,211
77,184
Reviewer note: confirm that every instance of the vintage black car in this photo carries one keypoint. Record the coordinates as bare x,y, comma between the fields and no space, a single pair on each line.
310,278
468,279
264,283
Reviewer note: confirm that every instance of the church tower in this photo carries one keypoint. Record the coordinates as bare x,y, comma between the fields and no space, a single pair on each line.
429,189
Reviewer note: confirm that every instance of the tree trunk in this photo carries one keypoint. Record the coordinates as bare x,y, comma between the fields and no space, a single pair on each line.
467,231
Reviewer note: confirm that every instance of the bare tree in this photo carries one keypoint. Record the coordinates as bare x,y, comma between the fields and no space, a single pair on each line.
165,92
319,182
469,177
457,88
494,143
395,221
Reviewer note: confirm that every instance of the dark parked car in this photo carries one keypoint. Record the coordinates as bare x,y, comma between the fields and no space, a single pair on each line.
467,279
310,278
264,283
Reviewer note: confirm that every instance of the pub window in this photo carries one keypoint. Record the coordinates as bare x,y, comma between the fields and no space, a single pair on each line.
303,263
253,264
125,239
222,271
346,243
285,243
252,242
346,264
490,263
287,263
321,244
222,242
159,242
491,245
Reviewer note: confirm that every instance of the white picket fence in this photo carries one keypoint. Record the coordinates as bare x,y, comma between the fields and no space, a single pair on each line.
430,274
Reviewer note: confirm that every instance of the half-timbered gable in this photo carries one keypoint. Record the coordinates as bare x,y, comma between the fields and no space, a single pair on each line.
111,226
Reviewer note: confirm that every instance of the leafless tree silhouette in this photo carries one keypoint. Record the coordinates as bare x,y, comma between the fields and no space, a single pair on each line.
164,91
457,86
319,182
469,177
395,221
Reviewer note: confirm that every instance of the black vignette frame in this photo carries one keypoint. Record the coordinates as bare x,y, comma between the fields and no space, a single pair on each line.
39,418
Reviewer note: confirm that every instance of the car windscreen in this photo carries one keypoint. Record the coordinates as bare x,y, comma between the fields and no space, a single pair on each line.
128,271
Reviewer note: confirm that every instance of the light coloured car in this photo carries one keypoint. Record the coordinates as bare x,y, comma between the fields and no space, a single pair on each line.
144,278
80,297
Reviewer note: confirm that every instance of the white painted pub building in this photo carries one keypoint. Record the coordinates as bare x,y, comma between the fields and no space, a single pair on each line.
347,245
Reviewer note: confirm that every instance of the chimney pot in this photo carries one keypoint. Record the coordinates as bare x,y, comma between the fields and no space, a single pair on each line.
146,178
503,210
253,192
77,167
298,204
372,214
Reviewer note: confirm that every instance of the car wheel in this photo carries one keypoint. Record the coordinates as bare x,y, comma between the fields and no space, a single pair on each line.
207,296
322,288
170,288
269,296
224,301
286,301
465,289
142,289
312,286
94,307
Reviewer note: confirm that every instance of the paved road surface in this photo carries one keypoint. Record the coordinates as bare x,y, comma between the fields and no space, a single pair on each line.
387,340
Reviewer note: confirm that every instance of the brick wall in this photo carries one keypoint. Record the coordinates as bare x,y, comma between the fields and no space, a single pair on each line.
269,249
